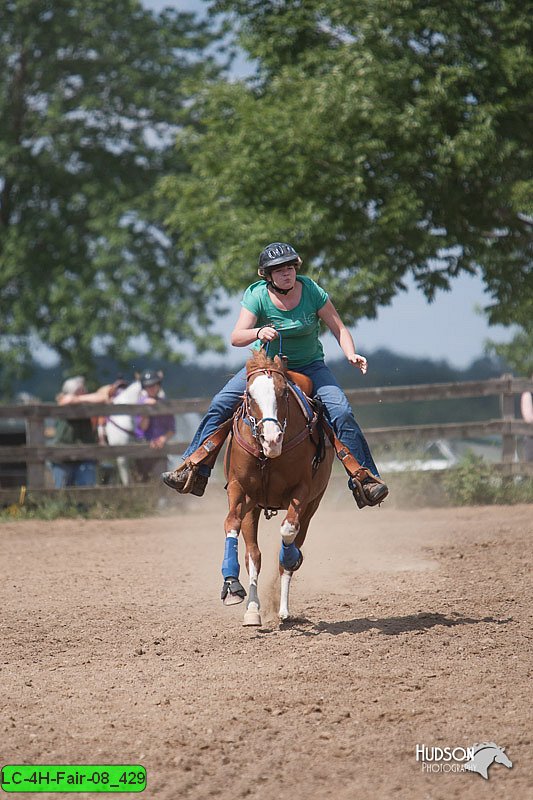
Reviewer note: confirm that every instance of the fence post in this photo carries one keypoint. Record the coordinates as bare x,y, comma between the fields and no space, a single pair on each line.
35,470
508,412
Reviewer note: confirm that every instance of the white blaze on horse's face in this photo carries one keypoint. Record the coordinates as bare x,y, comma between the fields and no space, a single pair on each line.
270,433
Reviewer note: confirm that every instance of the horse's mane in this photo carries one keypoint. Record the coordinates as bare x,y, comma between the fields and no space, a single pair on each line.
260,360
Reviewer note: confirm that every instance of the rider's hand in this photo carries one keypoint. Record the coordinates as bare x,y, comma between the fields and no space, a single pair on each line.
267,334
359,361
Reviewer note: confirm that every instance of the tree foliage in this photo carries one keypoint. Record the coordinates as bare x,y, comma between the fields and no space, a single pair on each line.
91,94
518,353
384,140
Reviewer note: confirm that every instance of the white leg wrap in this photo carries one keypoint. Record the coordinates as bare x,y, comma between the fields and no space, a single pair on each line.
252,615
252,572
284,595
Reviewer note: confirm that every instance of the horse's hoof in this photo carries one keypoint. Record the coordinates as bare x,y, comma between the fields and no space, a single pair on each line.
283,616
233,592
232,599
252,617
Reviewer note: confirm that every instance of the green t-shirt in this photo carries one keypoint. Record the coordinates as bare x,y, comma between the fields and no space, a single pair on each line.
299,327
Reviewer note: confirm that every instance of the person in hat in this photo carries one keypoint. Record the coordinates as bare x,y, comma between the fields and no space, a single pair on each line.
73,432
287,303
104,394
156,430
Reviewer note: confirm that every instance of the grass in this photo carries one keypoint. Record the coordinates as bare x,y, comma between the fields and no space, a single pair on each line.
140,501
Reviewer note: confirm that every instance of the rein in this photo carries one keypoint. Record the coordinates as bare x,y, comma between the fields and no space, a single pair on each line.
254,448
244,413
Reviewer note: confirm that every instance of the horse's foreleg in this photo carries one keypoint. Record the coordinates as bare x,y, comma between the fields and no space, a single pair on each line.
290,555
253,565
233,591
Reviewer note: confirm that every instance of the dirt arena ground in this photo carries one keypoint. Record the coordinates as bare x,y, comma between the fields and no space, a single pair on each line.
410,628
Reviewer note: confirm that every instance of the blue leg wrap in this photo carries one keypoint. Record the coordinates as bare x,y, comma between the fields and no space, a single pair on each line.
230,564
288,555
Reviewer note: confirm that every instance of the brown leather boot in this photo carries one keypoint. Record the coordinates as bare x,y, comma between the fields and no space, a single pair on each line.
370,491
185,479
374,491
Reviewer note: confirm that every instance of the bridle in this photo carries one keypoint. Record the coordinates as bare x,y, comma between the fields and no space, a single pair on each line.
255,447
257,424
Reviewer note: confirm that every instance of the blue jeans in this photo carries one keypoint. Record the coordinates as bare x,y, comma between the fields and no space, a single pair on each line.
74,473
338,412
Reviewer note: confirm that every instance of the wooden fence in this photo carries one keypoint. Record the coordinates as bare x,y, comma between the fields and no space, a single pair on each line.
36,452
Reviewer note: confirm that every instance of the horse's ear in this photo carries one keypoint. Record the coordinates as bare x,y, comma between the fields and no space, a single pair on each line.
281,362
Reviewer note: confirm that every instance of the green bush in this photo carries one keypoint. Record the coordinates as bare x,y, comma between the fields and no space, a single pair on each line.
470,482
474,482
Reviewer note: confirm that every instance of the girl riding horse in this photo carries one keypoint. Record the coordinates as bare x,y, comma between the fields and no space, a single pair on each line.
284,302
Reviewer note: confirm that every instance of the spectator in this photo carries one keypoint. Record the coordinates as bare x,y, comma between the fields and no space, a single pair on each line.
104,394
155,430
72,432
526,407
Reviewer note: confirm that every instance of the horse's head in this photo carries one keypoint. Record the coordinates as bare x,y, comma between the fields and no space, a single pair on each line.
501,758
485,754
266,402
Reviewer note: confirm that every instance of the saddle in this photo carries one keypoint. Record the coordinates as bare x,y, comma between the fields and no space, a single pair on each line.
318,428
209,449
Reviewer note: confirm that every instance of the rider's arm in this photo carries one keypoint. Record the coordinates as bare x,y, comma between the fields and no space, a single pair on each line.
100,396
330,316
246,331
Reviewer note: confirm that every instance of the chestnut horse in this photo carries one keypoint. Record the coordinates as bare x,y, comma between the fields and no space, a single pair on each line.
277,458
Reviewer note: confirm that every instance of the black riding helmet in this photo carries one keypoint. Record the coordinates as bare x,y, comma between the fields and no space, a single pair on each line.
151,377
276,254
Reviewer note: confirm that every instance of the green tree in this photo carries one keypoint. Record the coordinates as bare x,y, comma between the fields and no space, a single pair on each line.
518,353
90,97
384,140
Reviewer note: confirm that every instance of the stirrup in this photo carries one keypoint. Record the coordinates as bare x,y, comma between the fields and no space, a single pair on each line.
357,483
181,479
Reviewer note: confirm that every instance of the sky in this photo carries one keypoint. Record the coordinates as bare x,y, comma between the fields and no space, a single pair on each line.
450,328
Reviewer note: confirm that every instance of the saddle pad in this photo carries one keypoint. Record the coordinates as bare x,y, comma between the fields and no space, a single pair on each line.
305,383
304,400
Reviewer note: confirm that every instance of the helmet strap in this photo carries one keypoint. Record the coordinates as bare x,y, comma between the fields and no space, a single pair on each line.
278,289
